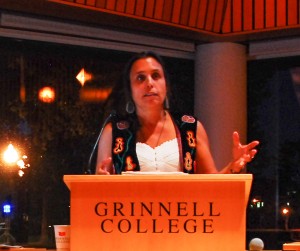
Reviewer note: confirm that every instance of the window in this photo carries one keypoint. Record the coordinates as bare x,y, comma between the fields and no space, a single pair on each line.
274,119
53,119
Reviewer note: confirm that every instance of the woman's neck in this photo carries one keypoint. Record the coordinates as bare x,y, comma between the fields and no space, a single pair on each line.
151,118
152,128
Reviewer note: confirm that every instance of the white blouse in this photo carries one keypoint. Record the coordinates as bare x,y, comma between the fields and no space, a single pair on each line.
163,158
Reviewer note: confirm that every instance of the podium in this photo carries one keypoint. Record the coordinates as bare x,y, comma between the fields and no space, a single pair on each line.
158,212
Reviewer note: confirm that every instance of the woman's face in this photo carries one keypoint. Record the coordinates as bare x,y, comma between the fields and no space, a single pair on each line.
148,84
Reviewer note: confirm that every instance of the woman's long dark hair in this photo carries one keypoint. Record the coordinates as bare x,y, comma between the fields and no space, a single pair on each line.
121,93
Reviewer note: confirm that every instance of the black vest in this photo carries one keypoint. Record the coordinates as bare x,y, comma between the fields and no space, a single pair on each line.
124,144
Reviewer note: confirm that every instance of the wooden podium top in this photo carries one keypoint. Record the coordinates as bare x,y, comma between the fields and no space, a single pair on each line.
144,177
165,177
294,246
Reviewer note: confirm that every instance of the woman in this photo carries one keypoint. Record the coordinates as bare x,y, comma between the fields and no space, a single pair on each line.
145,136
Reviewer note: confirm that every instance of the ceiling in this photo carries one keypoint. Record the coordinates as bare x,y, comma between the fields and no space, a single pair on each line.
200,21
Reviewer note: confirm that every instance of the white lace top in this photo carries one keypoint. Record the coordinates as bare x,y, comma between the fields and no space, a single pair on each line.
163,158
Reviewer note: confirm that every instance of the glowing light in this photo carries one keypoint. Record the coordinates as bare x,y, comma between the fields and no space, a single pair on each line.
6,209
94,94
21,164
83,76
11,155
22,93
47,94
21,173
285,211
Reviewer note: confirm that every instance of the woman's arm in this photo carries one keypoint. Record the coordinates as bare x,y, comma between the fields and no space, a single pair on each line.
204,160
242,154
104,157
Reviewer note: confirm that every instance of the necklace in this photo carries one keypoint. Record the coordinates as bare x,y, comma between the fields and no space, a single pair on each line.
163,126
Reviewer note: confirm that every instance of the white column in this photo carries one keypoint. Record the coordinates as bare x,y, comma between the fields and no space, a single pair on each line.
221,95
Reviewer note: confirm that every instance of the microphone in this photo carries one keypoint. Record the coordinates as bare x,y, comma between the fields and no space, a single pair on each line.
256,244
88,169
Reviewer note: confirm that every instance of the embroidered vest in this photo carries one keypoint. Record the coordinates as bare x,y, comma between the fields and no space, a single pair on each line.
124,144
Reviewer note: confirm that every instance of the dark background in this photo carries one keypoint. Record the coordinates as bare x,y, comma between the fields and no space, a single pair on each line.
58,137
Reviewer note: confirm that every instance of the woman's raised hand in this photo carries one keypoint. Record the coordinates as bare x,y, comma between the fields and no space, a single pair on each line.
242,154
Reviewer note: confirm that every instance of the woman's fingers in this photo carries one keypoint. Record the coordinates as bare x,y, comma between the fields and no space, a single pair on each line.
236,139
105,167
252,145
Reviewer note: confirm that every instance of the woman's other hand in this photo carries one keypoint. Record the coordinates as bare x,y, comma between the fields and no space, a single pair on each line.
105,167
242,154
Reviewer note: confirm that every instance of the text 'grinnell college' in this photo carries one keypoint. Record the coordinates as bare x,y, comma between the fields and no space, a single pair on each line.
157,217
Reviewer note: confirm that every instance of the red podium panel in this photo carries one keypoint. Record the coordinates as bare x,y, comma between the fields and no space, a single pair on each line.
159,212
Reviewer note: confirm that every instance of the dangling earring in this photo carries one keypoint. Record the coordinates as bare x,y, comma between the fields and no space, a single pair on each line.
130,108
167,104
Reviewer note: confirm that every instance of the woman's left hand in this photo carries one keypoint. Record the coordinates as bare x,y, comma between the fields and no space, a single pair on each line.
242,154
